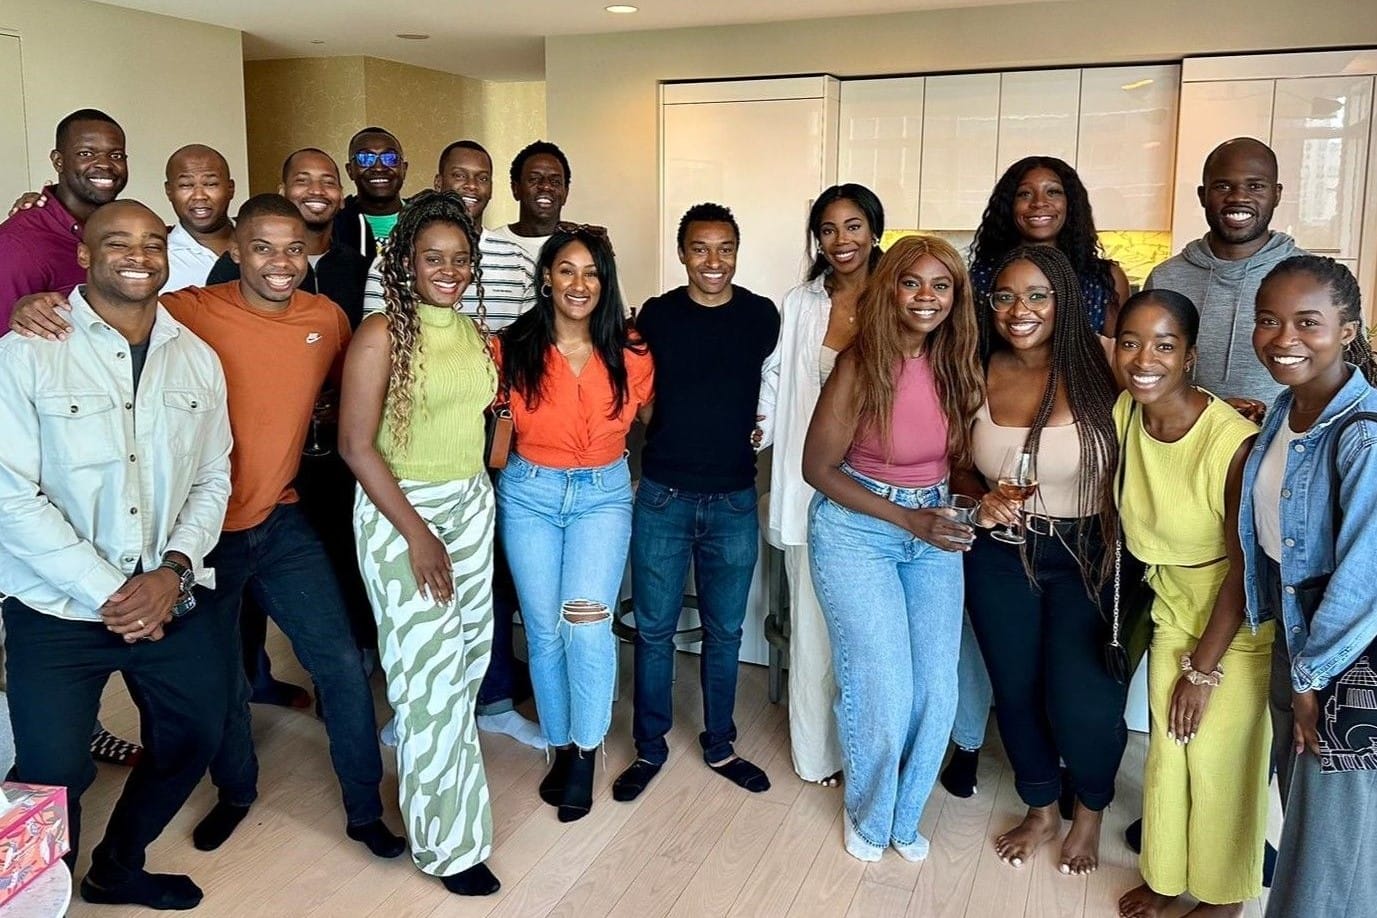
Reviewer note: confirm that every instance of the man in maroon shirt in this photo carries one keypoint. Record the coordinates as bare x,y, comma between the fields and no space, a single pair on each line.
38,246
38,252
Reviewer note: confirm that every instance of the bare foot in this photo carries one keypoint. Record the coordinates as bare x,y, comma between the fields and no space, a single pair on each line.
1142,902
1080,853
1040,826
1206,910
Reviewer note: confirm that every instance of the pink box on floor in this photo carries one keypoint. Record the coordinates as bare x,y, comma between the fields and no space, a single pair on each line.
33,834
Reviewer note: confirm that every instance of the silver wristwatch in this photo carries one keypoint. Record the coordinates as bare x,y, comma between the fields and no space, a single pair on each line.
186,601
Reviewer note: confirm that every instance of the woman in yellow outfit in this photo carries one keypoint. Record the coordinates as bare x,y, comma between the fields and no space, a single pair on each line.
1205,784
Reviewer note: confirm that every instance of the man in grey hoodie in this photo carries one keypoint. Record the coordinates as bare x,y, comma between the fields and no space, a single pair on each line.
1222,271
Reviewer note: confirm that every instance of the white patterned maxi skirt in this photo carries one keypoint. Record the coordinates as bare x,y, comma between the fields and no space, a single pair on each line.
434,657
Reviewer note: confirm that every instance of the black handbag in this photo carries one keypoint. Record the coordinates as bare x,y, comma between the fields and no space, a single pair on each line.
1348,720
1131,627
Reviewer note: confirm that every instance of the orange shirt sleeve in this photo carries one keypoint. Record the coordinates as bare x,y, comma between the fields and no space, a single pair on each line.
640,373
344,334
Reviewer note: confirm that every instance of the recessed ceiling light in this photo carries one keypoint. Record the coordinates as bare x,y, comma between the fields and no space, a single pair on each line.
413,36
622,8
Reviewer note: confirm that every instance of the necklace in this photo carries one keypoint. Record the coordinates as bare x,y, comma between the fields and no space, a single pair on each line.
575,350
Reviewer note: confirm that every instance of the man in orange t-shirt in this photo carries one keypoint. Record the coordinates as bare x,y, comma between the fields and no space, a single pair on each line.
278,345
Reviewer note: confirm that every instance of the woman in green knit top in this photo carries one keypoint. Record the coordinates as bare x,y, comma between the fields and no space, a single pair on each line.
416,381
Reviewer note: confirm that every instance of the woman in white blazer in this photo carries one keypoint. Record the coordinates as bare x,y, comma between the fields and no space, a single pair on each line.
817,321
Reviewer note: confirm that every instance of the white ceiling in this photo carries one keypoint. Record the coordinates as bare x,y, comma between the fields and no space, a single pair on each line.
487,39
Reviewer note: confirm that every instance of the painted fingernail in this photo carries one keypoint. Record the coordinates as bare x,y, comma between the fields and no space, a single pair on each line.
1065,868
1017,862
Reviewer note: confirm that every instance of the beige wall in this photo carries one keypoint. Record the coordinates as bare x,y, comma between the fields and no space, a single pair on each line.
167,81
513,116
321,102
601,90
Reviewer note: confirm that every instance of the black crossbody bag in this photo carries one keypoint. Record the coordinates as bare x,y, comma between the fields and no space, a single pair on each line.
1348,704
1131,628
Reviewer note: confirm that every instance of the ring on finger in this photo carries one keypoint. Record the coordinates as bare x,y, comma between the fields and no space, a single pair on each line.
140,623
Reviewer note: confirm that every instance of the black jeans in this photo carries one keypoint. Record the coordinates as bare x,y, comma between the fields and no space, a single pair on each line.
57,670
505,677
1044,647
282,565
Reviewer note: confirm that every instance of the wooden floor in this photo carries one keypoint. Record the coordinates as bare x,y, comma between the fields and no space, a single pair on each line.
692,845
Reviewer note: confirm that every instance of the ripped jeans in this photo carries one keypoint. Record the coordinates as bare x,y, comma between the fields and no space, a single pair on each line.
566,533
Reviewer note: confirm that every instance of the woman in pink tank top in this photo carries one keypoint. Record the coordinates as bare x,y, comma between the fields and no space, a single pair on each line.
885,553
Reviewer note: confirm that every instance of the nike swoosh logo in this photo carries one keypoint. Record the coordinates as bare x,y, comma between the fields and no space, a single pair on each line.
313,337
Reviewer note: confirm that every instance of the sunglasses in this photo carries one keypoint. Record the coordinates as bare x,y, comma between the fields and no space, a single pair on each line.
592,229
366,159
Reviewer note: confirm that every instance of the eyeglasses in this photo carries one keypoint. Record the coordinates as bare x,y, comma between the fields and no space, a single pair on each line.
1035,298
367,159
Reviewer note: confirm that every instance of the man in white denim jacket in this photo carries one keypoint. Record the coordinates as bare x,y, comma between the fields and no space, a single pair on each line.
114,478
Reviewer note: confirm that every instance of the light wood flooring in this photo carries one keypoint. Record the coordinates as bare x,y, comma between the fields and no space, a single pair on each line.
692,845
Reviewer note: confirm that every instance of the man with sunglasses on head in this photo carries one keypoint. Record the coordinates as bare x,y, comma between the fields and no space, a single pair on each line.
378,168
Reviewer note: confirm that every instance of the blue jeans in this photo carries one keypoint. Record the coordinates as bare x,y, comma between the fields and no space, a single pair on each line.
719,532
893,609
974,692
283,566
567,532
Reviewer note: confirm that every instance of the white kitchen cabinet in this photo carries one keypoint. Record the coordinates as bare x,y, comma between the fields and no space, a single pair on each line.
1212,113
1037,116
881,143
1126,144
960,143
764,148
1320,132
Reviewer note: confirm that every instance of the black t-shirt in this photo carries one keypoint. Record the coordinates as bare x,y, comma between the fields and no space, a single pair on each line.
707,382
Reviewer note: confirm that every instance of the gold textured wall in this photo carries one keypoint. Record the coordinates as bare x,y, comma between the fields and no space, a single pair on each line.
307,102
321,102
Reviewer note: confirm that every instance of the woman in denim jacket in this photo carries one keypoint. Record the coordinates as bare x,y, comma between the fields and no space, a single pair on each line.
1308,333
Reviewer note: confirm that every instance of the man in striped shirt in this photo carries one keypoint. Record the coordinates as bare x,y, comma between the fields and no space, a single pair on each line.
508,275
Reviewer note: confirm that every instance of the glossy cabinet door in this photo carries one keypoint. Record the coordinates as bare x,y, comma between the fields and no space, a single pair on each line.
1038,116
960,140
1212,113
880,143
762,159
1321,127
1126,150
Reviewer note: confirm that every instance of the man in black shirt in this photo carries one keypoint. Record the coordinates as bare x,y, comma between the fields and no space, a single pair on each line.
697,498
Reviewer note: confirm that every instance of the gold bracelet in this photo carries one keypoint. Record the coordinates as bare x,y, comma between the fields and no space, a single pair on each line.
1195,677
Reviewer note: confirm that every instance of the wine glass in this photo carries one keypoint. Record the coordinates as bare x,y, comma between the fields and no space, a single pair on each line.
314,446
1018,481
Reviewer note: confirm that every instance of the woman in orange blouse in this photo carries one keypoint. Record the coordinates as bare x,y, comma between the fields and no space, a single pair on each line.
576,378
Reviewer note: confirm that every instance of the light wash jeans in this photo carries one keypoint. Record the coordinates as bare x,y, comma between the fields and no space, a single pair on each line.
566,533
975,692
893,608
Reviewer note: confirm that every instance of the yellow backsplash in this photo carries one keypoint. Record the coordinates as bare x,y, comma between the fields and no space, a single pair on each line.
1136,251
